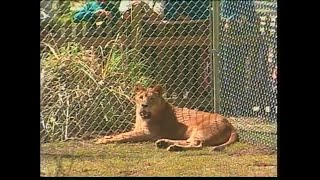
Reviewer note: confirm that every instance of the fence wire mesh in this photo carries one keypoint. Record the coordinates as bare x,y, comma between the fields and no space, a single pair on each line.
248,68
94,53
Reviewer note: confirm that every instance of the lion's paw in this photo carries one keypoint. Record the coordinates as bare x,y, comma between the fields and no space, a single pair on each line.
162,143
174,148
103,140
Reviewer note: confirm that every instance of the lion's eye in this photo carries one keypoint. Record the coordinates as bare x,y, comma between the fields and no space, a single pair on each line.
141,97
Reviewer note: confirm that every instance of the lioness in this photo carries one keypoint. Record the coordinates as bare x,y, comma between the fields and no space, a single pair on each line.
174,128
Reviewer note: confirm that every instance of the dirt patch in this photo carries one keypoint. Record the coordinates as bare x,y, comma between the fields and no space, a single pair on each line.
254,151
127,173
263,164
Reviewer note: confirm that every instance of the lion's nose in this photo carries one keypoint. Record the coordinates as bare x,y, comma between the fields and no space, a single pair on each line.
144,105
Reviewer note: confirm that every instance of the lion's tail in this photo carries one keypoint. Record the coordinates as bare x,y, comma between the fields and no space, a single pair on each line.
232,139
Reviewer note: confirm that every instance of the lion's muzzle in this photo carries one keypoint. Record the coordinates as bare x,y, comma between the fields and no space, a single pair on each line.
145,114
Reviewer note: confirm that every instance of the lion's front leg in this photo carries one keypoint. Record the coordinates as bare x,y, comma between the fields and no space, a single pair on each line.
132,136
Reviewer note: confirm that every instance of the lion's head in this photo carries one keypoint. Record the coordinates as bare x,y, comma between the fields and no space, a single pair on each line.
149,101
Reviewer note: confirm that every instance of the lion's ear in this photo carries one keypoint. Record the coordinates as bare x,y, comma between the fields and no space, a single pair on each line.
139,88
158,89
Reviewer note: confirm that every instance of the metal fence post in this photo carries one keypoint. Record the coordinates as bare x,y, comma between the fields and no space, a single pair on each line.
215,57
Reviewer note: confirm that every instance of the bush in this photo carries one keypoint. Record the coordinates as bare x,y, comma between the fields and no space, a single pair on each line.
83,94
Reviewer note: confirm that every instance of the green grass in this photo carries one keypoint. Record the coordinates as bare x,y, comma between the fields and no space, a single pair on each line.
84,158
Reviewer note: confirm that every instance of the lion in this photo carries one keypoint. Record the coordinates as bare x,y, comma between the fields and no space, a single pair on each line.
173,128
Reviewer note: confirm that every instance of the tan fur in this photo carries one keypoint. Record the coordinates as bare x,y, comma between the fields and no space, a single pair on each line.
174,128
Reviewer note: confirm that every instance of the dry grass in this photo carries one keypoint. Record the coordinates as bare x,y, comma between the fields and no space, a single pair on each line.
84,158
88,91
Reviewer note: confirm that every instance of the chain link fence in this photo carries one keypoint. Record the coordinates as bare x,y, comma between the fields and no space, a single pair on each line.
94,52
248,68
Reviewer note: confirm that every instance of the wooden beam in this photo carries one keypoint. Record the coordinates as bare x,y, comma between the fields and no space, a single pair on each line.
85,41
164,22
175,41
146,42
